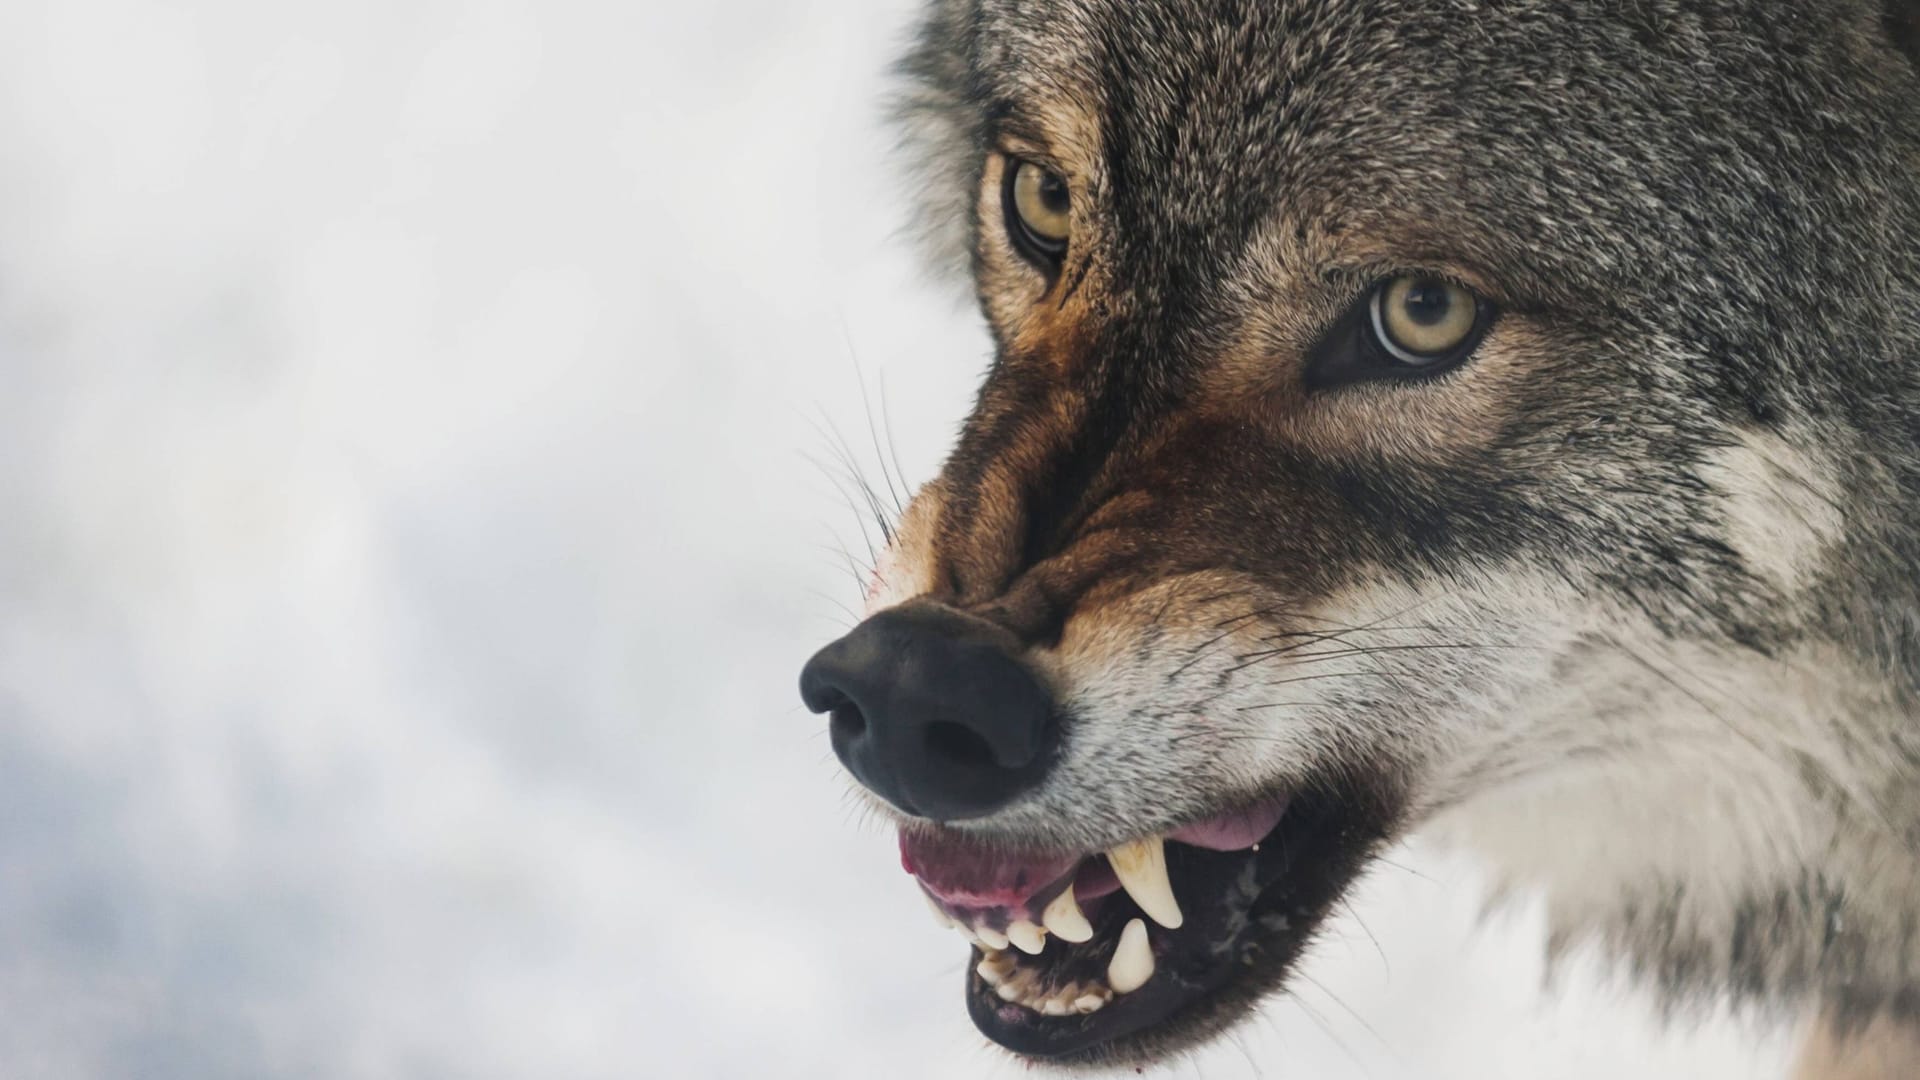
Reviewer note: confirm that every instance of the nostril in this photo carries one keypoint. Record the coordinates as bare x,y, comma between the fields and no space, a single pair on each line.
933,710
958,744
848,721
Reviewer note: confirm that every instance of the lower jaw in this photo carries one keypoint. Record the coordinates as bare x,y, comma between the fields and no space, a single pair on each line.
1092,1037
1249,914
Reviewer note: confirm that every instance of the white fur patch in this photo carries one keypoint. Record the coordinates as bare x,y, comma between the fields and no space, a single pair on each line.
1782,506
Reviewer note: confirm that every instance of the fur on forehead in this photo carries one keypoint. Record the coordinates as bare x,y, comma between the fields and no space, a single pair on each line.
1223,119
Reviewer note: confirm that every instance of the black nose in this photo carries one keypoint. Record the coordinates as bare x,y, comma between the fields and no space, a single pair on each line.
932,711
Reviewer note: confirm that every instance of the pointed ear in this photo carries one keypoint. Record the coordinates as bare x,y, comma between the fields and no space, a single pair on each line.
1902,19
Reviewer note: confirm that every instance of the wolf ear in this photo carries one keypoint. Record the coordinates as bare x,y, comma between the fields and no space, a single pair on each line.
1902,19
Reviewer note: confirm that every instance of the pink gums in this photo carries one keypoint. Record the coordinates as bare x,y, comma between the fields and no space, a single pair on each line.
963,876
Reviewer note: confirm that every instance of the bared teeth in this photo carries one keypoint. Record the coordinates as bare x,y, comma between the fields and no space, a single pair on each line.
1141,867
1132,963
1064,920
1087,1003
1023,986
995,967
1027,937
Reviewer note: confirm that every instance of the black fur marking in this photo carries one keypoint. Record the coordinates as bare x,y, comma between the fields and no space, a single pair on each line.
1902,21
1700,220
1229,953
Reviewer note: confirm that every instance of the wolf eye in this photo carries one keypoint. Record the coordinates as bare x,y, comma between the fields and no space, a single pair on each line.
1407,327
1037,204
1423,320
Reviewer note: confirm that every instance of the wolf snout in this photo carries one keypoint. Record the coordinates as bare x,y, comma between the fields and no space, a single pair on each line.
933,711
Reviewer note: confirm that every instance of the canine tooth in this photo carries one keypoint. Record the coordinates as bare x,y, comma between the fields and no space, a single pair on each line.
989,937
1030,938
1141,867
1087,1003
1063,918
1132,963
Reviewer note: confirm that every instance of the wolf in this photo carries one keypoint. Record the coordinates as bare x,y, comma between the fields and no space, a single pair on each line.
1493,418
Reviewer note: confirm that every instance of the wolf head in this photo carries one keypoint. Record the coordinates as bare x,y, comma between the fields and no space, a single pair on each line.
1393,404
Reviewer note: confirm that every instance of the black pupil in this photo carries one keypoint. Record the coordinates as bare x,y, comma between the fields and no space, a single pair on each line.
1428,303
1053,193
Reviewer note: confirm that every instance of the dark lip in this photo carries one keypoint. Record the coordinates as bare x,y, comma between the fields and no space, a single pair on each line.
1249,915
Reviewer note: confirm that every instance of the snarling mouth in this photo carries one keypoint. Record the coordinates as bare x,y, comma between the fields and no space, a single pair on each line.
1161,940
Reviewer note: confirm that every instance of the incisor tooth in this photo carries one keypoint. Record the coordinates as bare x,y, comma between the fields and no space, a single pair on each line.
1064,920
995,967
1054,1007
990,974
1087,1003
991,938
1141,867
1132,963
1030,938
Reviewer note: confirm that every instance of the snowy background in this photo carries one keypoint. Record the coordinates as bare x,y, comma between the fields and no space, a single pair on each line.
409,539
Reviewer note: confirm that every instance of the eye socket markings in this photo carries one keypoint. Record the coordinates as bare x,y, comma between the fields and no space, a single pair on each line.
1406,328
1038,206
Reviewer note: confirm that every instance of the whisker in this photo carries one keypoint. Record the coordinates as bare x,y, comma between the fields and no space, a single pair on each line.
850,464
1348,1009
874,504
1369,650
853,504
893,451
854,619
1326,1029
1403,868
1200,651
873,433
1357,921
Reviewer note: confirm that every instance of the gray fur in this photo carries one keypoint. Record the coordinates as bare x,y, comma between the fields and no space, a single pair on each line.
1706,214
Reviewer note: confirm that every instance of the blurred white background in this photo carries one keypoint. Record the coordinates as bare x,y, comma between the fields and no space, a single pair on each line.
409,542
